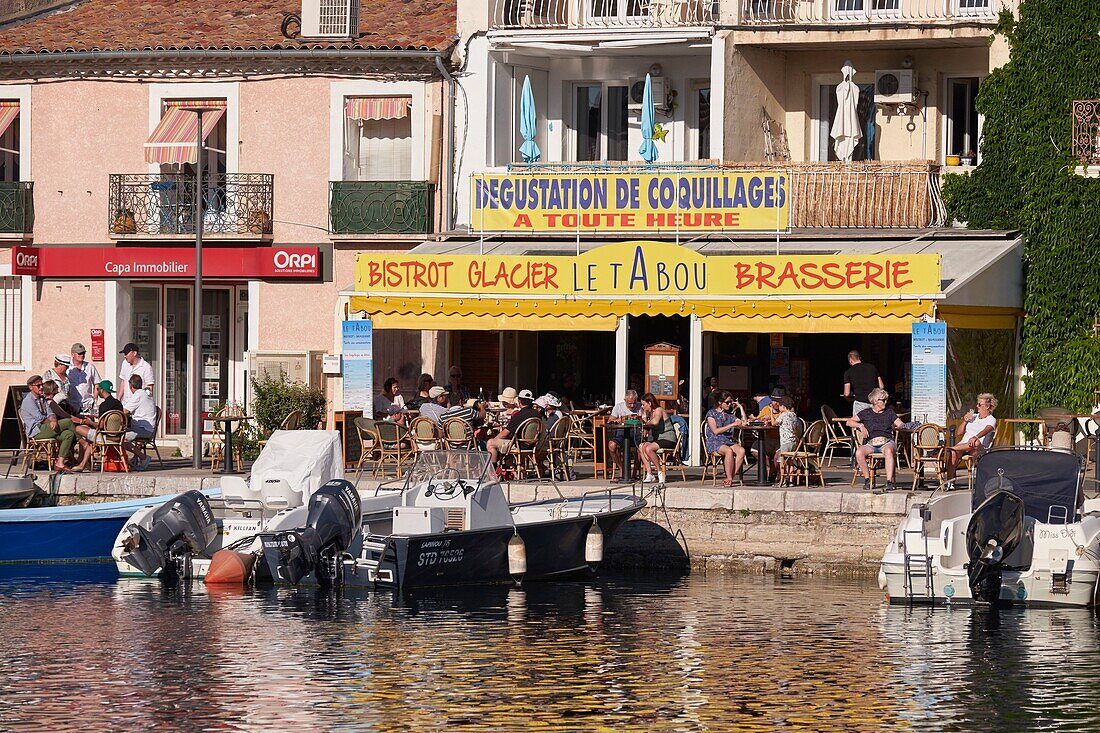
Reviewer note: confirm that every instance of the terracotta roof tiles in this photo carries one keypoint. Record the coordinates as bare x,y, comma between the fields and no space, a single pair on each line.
115,25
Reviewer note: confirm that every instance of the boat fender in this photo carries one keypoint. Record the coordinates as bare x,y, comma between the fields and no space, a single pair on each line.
230,567
593,545
517,557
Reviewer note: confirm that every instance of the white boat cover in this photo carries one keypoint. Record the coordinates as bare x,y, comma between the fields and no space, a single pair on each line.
305,458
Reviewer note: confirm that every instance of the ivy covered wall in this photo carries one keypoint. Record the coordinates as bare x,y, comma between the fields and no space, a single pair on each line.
1026,182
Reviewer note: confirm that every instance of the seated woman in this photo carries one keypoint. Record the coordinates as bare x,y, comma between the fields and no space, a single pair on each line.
876,427
81,425
662,434
976,439
721,423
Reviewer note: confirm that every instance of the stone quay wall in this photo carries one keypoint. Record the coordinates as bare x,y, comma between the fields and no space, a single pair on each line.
684,527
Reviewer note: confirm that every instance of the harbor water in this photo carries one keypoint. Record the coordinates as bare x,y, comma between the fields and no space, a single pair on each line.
84,650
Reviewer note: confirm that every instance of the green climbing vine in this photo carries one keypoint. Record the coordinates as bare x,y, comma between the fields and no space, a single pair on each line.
1026,182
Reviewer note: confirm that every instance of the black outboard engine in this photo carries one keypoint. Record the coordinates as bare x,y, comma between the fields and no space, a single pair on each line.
334,517
181,527
995,529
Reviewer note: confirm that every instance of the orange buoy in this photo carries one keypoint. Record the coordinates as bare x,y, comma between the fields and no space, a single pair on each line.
228,566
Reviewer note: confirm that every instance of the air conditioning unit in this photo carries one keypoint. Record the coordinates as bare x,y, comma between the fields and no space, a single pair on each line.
330,18
298,366
660,93
895,86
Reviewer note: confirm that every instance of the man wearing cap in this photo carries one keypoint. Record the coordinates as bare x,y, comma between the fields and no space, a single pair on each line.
41,423
59,374
83,378
436,405
105,391
132,363
500,444
551,408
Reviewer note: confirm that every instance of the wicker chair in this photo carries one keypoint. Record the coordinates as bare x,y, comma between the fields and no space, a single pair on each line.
151,442
523,446
369,447
458,434
217,444
290,422
110,434
671,456
837,435
37,447
557,446
804,462
581,437
424,433
928,450
710,460
393,447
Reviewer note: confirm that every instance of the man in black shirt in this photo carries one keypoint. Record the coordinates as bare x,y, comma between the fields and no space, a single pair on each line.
103,390
859,380
503,440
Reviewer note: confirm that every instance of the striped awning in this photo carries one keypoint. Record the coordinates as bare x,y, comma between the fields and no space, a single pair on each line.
377,108
173,141
9,110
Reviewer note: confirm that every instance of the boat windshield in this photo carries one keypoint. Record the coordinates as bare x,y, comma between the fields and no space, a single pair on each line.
1045,479
473,466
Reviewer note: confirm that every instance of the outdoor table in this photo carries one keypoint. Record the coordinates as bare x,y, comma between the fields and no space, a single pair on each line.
227,421
759,431
631,430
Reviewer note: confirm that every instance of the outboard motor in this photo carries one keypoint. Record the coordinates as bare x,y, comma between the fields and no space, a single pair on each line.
334,517
181,527
995,529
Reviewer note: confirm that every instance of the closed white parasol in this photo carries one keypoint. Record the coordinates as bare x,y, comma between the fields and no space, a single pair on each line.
846,132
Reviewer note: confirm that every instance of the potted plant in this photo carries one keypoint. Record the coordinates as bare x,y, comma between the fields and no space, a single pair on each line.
124,222
967,158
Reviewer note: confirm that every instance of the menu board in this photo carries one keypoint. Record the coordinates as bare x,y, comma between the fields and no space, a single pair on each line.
929,342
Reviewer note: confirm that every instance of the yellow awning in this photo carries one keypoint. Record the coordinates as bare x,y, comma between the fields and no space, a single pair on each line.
979,318
817,316
574,314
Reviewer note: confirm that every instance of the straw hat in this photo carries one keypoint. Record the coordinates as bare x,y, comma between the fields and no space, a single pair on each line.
508,395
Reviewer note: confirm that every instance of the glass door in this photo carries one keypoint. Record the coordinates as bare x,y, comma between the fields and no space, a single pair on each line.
216,366
145,327
177,350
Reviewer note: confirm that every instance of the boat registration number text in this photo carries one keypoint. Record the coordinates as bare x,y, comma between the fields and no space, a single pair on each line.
439,557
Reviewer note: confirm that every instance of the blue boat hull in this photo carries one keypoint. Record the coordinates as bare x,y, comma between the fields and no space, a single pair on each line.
84,532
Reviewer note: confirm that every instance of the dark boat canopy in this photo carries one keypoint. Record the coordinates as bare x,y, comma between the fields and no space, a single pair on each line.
1043,478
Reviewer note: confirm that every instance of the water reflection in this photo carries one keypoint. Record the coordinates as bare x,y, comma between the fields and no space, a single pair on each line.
736,653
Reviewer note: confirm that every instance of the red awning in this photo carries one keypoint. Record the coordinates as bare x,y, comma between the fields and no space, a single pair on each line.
9,110
173,141
378,108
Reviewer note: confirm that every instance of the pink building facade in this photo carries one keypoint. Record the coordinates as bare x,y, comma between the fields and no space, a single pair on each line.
313,152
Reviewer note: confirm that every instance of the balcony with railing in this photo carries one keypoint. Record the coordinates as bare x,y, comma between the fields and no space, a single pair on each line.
591,14
162,206
1086,135
865,12
380,207
16,208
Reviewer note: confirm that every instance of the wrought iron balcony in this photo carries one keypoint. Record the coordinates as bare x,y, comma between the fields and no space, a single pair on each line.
865,12
16,207
1086,131
151,204
380,207
625,14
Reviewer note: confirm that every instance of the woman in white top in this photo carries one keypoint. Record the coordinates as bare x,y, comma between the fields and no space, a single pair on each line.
977,436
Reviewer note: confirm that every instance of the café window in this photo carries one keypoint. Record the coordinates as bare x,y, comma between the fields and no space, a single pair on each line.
600,121
377,139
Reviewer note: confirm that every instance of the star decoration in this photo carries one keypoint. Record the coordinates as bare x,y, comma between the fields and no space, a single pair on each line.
659,132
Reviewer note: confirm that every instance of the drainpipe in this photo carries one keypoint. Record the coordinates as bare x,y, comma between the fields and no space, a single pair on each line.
449,151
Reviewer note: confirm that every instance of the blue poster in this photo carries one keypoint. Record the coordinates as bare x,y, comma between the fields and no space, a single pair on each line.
358,353
930,372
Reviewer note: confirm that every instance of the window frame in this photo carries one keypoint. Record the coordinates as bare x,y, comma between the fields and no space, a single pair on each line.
26,336
947,126
604,84
160,93
358,125
339,91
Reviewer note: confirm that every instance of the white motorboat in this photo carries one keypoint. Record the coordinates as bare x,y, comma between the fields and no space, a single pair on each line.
1025,535
449,523
180,536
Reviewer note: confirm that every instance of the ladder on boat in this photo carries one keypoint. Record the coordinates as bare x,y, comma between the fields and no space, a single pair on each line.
374,550
917,565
